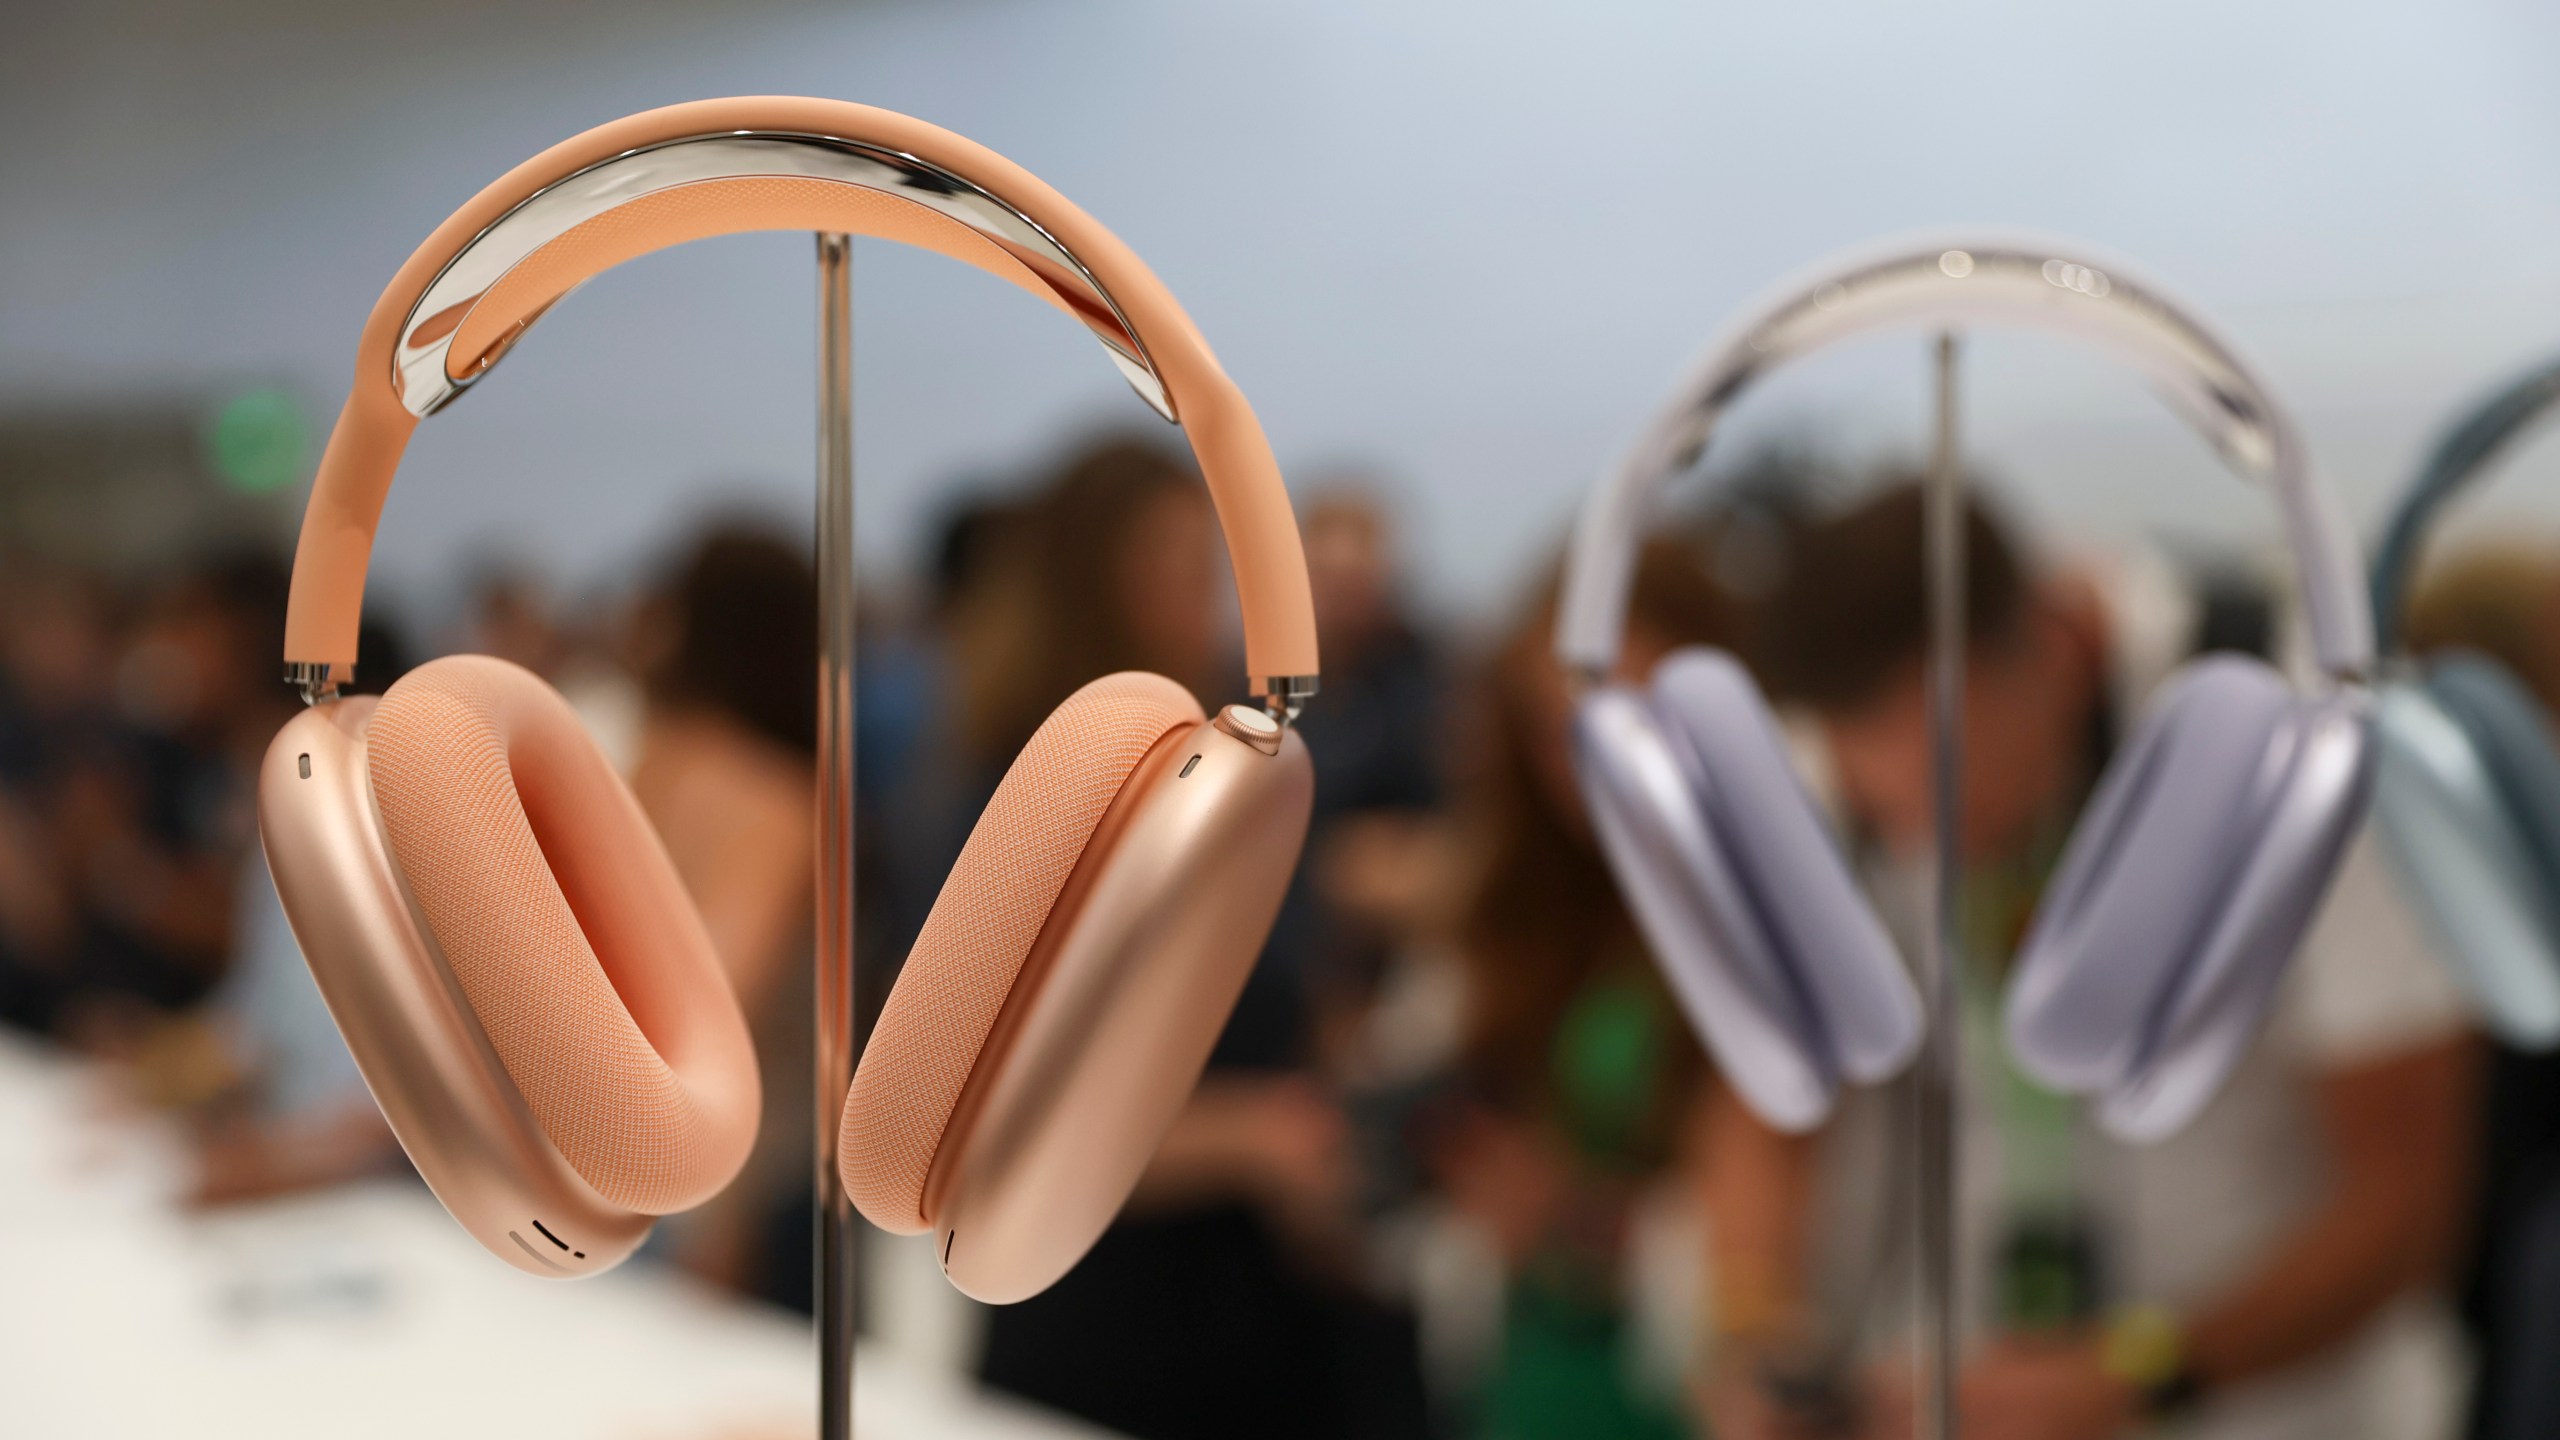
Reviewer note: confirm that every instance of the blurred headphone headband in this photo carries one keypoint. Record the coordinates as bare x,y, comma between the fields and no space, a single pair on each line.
2458,458
719,167
1965,279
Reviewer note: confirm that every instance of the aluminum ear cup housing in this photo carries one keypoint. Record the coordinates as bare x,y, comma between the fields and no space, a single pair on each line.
1106,1026
1790,864
2151,861
1679,883
2185,890
1741,895
417,1042
2466,800
2209,1021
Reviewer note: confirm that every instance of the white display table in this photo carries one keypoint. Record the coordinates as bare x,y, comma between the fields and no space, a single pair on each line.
365,1312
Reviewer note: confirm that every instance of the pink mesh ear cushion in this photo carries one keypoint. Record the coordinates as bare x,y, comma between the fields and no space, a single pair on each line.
565,926
981,928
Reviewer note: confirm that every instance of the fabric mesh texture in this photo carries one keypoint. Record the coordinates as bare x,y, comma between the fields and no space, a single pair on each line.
448,746
981,928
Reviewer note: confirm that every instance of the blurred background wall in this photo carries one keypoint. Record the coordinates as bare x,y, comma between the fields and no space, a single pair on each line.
1465,242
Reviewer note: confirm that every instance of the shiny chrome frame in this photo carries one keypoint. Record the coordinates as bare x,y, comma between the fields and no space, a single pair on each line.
421,372
1285,696
1962,280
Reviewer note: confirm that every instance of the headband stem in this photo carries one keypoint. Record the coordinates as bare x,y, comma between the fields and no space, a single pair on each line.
1286,695
317,680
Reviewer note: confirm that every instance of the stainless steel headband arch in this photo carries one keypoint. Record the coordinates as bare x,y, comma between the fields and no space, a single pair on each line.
1964,279
427,333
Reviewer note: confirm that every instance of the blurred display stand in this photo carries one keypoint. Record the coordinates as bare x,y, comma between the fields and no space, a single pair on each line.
364,1311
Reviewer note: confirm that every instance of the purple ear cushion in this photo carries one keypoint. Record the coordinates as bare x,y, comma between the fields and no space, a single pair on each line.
1676,873
2320,779
1800,896
2146,875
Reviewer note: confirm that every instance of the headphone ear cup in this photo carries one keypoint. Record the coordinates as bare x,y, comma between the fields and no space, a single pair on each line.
556,910
1682,845
1673,871
2468,790
1816,918
982,927
2185,890
2512,736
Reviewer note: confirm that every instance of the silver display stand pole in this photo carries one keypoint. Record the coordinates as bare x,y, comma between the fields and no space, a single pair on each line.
1942,1049
833,991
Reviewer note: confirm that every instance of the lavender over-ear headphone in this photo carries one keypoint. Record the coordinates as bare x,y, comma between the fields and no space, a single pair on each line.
2207,846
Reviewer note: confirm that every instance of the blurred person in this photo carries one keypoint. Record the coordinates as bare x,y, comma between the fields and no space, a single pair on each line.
1378,745
1219,1305
2501,599
54,697
1585,1090
1112,566
510,619
2281,1252
575,647
138,794
725,643
966,547
917,785
197,683
1357,938
1028,601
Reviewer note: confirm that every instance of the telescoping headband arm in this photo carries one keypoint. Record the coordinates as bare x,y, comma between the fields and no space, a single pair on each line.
1962,280
721,167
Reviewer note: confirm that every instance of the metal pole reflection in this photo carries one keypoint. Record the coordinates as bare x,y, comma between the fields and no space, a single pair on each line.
1942,1048
834,968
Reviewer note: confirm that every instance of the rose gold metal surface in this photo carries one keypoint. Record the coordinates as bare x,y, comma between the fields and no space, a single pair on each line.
1254,727
414,1037
1118,1004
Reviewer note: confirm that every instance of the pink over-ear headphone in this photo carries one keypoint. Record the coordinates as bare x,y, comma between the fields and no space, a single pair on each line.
500,935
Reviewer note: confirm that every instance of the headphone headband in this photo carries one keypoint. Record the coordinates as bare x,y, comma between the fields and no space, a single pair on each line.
477,305
721,167
1966,279
2459,458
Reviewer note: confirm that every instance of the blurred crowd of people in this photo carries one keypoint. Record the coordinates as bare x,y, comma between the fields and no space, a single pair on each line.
1459,1167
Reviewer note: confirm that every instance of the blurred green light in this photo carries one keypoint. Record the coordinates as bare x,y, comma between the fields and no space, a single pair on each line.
257,441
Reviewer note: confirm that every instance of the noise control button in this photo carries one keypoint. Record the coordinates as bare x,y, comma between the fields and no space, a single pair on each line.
1253,727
